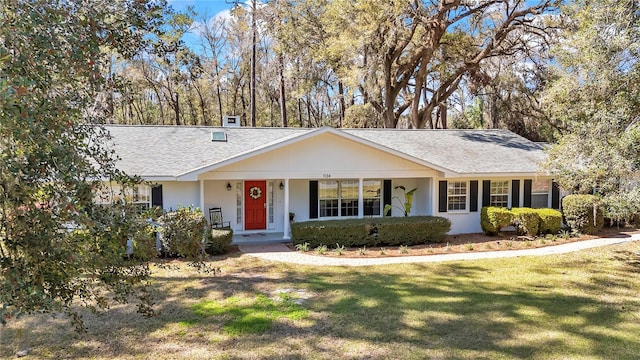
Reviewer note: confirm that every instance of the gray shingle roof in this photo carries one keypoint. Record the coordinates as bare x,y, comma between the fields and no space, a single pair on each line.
462,151
170,151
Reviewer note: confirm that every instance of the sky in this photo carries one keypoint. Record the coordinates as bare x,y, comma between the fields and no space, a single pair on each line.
208,8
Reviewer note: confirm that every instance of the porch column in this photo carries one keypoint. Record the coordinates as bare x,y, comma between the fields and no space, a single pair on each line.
287,227
202,197
360,199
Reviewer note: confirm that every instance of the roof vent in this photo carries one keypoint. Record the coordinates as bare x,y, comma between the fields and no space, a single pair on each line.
231,121
220,136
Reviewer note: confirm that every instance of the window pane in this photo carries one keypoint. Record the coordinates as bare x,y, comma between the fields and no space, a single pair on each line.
372,190
540,186
456,195
328,189
349,189
500,193
328,208
349,198
539,201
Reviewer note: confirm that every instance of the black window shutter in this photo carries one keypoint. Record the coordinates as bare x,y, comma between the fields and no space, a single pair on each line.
515,193
473,195
156,196
442,196
313,199
555,196
386,194
527,193
486,192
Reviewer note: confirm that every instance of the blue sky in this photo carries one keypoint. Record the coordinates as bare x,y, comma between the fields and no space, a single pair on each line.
202,7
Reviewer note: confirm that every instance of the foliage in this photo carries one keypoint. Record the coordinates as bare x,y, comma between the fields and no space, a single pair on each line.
406,205
583,213
623,206
339,249
56,245
218,241
372,232
492,219
183,232
550,221
304,247
594,98
526,220
321,250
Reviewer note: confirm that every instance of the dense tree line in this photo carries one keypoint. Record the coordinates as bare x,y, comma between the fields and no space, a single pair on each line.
418,64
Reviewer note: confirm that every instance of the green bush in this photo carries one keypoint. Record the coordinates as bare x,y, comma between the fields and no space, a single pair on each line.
526,220
493,218
183,232
144,243
578,212
371,232
218,241
550,221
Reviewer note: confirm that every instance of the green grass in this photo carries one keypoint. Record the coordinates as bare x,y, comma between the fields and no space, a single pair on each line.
583,305
249,316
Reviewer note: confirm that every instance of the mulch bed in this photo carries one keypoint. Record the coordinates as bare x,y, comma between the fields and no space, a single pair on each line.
471,243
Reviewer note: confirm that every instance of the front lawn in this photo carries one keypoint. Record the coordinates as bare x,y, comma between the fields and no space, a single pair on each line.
584,305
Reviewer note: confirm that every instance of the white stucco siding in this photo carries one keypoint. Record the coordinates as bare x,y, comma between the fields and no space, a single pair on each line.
299,199
324,156
183,193
464,222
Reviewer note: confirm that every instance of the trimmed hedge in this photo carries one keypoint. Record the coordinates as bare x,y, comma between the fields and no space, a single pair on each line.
550,221
579,213
218,241
493,218
389,231
526,220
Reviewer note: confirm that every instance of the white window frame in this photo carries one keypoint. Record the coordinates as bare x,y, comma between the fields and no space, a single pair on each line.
365,196
546,192
493,196
340,199
450,187
134,195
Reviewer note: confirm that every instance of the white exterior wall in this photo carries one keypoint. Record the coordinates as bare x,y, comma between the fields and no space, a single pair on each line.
465,222
183,193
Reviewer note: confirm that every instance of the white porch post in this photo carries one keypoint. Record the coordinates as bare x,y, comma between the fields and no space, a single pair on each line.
287,227
360,199
202,196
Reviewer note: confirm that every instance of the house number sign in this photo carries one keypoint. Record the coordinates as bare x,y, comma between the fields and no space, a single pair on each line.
326,176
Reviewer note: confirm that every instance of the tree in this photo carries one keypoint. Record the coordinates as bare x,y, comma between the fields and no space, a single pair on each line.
595,100
57,247
410,56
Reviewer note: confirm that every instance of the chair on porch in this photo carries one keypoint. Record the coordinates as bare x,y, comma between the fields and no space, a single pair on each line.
215,219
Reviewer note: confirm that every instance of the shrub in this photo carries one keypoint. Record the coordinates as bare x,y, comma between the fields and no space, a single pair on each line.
526,220
144,243
183,232
372,232
493,218
550,221
218,241
579,211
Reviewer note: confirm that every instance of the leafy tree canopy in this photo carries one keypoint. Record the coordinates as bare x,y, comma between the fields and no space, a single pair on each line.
56,245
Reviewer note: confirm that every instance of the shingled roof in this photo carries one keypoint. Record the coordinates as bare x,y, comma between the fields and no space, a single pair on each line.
171,151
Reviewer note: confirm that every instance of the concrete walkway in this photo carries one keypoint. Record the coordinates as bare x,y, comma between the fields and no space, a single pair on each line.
279,252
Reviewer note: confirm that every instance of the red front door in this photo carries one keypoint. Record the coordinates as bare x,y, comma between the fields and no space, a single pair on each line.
255,205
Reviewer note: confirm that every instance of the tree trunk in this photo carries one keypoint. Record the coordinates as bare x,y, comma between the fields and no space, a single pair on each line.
283,99
342,103
252,85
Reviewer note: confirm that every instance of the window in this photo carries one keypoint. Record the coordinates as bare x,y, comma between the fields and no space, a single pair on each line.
349,198
457,196
372,191
239,194
270,199
138,195
499,193
328,198
540,194
340,198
